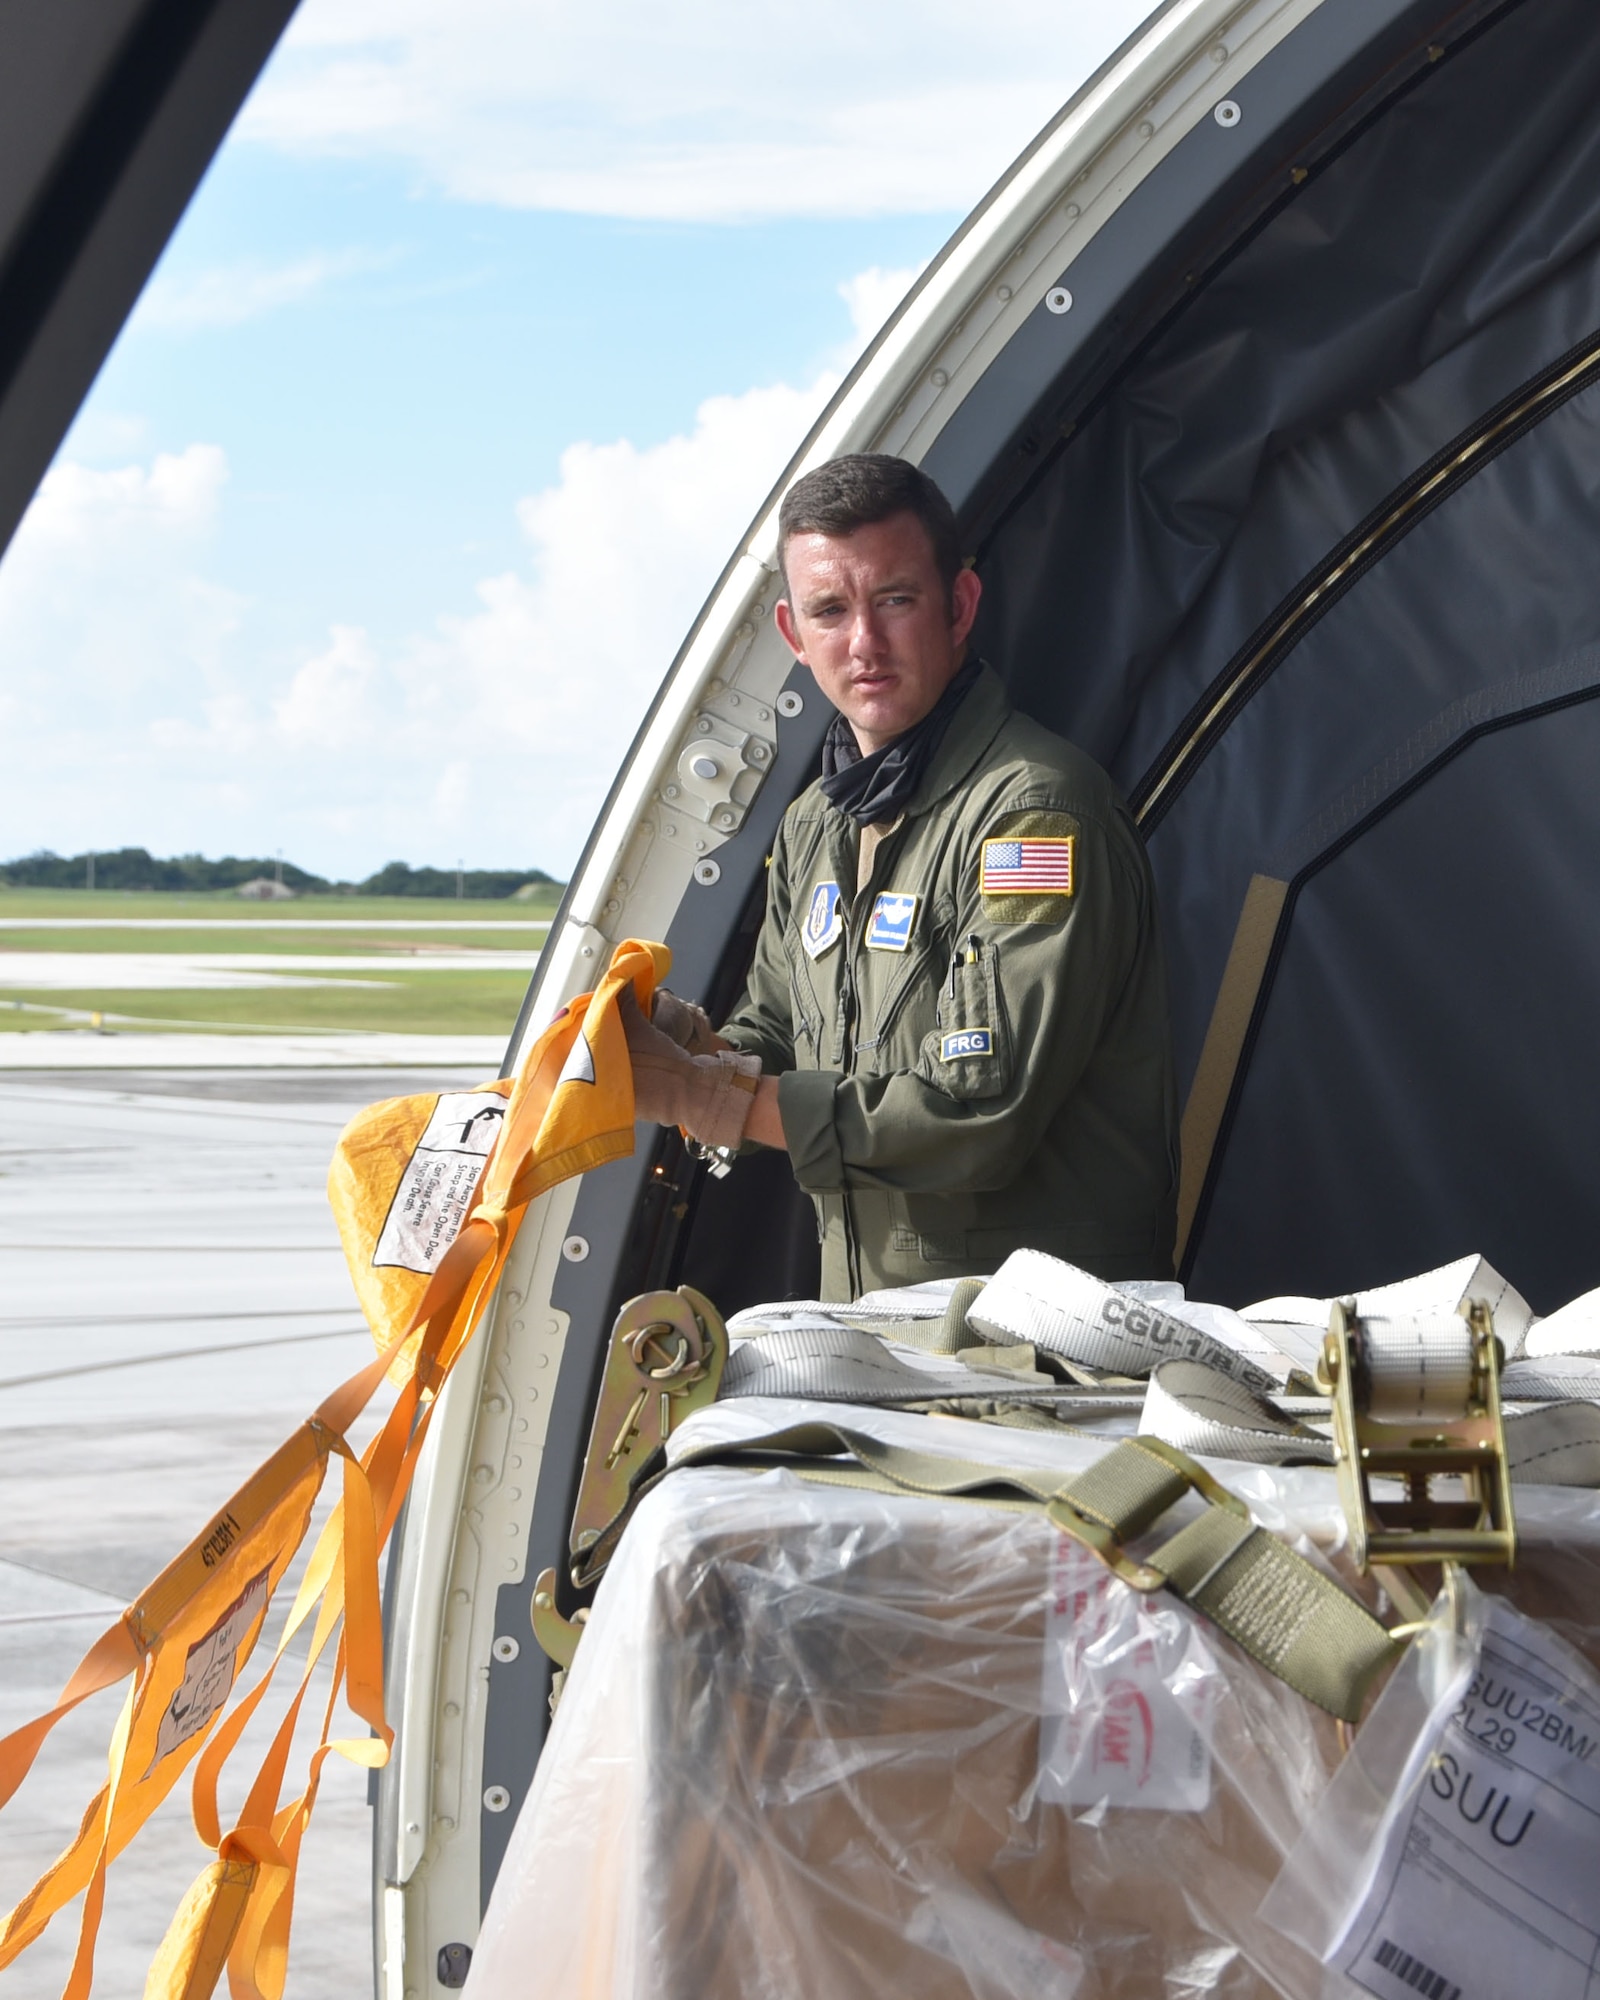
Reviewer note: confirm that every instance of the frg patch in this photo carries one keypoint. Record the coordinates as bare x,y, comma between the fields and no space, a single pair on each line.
966,1042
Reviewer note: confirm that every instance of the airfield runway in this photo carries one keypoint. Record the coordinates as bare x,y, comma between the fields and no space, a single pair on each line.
174,1303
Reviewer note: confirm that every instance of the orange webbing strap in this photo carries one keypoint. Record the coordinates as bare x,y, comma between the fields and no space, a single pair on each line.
572,1111
249,1876
540,1142
229,1910
189,1635
195,1948
375,1172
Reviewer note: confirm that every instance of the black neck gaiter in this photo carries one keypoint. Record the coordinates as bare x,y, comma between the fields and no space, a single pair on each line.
881,786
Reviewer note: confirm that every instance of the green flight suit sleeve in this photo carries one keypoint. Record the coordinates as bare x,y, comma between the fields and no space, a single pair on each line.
761,1025
1060,995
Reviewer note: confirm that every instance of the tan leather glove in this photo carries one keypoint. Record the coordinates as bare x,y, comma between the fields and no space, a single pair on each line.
688,1025
709,1096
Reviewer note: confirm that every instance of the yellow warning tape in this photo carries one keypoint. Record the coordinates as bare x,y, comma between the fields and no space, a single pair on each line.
186,1639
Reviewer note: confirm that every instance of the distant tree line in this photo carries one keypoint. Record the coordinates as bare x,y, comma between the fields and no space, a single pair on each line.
396,879
136,868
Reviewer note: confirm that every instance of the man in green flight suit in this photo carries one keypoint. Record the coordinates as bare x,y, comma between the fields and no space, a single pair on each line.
956,1019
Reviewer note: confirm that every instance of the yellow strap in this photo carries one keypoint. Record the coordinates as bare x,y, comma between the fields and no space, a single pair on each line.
112,1657
81,1978
552,1129
195,1948
199,1620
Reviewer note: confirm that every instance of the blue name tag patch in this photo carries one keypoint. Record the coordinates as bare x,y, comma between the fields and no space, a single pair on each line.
966,1042
890,926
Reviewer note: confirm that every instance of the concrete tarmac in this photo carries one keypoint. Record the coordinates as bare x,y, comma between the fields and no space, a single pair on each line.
128,1049
173,1302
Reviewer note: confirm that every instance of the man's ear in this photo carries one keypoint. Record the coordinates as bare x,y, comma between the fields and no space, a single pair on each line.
783,615
965,592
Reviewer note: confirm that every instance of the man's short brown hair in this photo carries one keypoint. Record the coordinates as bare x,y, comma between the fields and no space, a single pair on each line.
861,489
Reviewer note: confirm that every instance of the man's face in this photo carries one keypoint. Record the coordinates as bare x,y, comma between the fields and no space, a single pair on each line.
867,613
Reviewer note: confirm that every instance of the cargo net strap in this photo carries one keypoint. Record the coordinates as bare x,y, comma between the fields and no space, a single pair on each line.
1555,1444
1099,1331
425,1266
1290,1617
1045,1336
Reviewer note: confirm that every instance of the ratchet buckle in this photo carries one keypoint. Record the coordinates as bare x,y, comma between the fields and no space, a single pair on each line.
1468,1521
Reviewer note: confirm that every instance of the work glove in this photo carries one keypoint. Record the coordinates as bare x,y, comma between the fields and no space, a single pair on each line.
708,1096
688,1025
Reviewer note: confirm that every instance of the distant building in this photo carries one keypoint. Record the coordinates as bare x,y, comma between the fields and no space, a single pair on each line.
262,889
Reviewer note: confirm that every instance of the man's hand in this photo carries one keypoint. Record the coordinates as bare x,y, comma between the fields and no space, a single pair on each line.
709,1096
688,1025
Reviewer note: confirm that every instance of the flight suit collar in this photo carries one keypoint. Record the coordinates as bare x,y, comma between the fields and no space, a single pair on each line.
973,727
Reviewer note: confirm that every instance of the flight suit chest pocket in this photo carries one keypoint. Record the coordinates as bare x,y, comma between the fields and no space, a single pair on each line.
968,1055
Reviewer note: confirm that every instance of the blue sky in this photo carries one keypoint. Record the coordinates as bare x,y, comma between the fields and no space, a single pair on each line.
484,337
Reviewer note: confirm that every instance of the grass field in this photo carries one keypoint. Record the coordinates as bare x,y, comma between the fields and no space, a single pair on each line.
400,944
16,905
413,989
429,1003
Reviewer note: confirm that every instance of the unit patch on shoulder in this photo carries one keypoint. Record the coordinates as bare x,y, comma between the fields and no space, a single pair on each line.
889,928
824,922
966,1042
1029,869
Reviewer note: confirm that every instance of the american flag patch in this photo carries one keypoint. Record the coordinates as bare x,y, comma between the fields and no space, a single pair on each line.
1038,866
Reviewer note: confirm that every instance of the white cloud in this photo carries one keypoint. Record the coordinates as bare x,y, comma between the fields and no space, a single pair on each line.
325,705
79,508
230,294
492,735
550,676
710,109
872,295
77,607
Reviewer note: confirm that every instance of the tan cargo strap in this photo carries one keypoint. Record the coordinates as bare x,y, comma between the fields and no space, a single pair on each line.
1288,1616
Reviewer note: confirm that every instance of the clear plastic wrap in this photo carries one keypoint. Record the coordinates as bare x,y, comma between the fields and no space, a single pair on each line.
1455,1851
821,1741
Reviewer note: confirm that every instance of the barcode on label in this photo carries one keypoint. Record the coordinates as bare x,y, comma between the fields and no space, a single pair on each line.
1413,1973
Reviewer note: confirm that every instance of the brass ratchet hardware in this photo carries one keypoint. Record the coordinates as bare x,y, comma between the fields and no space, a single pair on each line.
1421,1525
630,1429
557,1636
1103,1542
667,1348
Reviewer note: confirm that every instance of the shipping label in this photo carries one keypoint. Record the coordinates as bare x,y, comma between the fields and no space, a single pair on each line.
1489,1888
1128,1688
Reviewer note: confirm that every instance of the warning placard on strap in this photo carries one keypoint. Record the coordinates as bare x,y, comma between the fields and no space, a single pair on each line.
211,1668
438,1185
